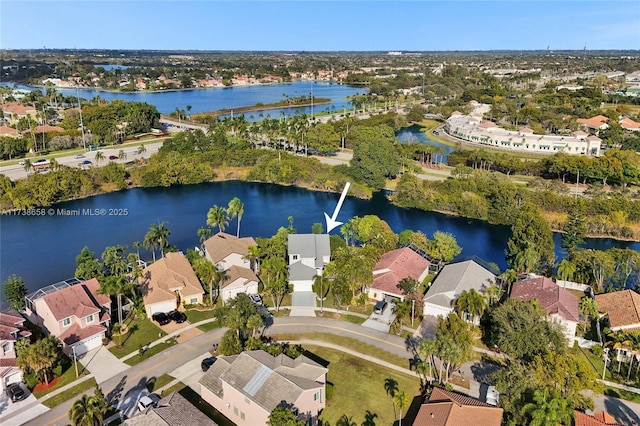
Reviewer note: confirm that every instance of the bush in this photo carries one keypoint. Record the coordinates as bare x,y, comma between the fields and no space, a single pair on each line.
597,351
30,379
57,370
328,390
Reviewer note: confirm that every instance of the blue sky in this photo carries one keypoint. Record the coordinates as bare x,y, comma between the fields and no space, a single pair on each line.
320,25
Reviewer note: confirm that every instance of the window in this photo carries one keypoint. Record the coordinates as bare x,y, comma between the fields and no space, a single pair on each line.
6,348
235,410
241,415
294,257
194,300
66,322
90,319
316,396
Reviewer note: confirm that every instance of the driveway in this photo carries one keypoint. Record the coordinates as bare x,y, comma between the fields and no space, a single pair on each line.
191,372
303,304
21,411
382,322
102,364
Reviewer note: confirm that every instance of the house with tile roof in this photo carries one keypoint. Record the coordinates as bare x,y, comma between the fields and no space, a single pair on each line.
452,280
168,283
600,418
628,124
560,304
14,111
308,256
393,267
6,131
238,280
77,314
447,408
11,330
172,410
599,122
247,387
622,309
226,250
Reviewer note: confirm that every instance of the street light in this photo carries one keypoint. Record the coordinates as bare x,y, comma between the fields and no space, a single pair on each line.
75,360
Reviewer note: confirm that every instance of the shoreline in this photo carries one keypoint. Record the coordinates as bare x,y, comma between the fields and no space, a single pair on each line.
267,107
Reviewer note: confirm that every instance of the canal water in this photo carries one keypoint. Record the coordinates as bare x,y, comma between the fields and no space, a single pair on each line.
42,249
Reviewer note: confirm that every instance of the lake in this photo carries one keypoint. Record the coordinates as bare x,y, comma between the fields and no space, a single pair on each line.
43,249
213,99
412,134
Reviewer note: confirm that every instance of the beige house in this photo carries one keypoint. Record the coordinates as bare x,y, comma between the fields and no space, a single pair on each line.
230,254
14,111
74,312
247,387
238,280
393,267
168,283
226,250
622,309
11,330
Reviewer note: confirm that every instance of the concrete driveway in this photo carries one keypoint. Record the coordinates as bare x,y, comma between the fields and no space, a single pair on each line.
303,304
191,372
102,364
382,322
17,413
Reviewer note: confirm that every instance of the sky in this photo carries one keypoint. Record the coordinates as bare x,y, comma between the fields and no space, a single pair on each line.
347,25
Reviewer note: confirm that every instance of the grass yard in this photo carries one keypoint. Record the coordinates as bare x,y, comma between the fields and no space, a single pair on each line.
150,352
197,315
70,393
67,377
158,382
140,333
622,394
175,388
344,317
347,342
359,387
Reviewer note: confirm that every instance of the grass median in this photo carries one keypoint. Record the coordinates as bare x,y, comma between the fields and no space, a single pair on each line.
72,392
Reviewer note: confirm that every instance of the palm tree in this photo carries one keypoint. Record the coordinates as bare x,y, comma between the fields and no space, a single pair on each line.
402,309
548,409
589,308
137,246
204,234
27,165
508,277
157,237
142,149
254,322
236,208
99,157
54,165
253,255
345,420
566,269
116,329
401,400
427,349
116,286
85,412
217,216
493,292
472,303
122,155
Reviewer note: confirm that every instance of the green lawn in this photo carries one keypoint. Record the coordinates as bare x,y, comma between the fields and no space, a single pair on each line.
175,388
158,382
349,343
67,377
154,350
141,333
197,315
359,387
622,394
70,393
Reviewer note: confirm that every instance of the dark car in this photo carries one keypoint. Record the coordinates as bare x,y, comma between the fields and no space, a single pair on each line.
16,393
161,318
113,157
86,162
380,307
178,316
207,362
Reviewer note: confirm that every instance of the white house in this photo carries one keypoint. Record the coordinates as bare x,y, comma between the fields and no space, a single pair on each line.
452,280
308,255
238,280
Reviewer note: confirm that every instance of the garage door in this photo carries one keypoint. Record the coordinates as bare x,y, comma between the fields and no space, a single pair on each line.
302,285
13,377
88,344
165,307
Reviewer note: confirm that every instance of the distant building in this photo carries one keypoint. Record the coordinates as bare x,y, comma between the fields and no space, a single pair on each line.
11,330
308,255
247,387
599,122
470,128
600,418
622,309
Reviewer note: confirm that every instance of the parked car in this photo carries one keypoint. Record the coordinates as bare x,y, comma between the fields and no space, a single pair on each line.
147,401
86,163
113,157
161,318
207,362
255,298
178,316
79,156
15,392
492,396
21,163
380,307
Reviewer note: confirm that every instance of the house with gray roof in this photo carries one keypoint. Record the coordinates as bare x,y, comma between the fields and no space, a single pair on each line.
173,410
452,280
247,387
308,255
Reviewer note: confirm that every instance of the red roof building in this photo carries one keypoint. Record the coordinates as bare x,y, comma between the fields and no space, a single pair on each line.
600,418
392,268
446,408
560,305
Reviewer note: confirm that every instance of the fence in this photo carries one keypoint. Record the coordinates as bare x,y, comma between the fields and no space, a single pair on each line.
572,286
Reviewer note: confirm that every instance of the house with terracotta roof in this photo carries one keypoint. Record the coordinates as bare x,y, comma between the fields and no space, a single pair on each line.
622,309
172,410
247,387
393,267
308,256
452,280
11,330
226,250
446,408
628,124
168,283
14,111
75,313
6,131
599,122
600,418
560,304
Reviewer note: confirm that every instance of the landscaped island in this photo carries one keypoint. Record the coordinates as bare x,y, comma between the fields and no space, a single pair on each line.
302,101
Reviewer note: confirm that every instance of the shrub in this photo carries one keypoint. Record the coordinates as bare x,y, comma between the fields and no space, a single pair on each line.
597,350
328,390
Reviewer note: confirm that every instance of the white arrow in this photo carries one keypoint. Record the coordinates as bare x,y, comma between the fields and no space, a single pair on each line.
331,221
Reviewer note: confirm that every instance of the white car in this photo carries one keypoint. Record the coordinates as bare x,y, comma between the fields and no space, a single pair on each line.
256,299
492,396
150,400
